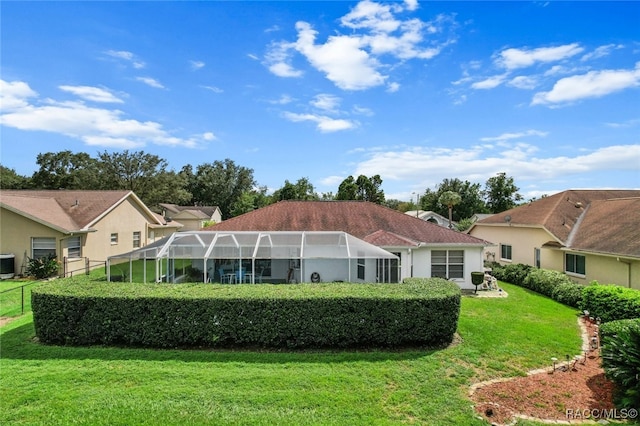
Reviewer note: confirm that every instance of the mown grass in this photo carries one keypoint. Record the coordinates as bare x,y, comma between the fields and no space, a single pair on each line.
123,386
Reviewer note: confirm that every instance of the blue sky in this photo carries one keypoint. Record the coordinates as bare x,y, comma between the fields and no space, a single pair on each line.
547,92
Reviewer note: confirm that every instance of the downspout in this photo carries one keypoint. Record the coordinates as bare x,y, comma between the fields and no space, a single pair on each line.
628,270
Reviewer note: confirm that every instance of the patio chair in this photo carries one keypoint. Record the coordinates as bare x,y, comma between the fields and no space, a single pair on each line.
241,275
224,277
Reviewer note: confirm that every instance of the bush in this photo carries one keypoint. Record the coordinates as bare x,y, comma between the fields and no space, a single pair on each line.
610,302
78,312
555,285
513,273
621,359
43,267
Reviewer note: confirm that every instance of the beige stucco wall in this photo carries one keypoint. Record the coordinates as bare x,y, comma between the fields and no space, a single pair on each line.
522,240
16,232
604,269
15,237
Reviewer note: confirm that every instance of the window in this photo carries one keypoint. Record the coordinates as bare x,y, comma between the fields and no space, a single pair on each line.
505,251
74,247
136,239
360,268
42,247
447,263
575,264
114,238
389,269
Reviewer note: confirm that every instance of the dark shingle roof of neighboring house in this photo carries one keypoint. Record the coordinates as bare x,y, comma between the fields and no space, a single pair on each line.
370,222
604,221
65,210
204,212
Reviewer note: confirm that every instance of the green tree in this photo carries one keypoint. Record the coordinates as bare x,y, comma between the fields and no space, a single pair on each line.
9,179
363,188
66,170
501,193
450,199
301,190
471,203
144,174
222,184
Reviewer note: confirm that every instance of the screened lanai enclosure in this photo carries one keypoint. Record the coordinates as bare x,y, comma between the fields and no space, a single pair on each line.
254,257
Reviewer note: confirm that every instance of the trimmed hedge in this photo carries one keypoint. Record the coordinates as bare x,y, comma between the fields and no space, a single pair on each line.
417,312
621,359
611,302
553,284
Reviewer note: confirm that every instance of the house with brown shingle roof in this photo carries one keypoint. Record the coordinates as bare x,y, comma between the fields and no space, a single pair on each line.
587,234
76,226
424,248
193,218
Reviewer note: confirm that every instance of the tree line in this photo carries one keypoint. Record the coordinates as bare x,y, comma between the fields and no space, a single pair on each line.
233,188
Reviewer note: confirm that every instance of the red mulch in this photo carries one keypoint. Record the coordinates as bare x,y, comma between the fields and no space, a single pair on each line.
579,388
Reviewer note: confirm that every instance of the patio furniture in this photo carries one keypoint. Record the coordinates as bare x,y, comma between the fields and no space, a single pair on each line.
241,275
226,277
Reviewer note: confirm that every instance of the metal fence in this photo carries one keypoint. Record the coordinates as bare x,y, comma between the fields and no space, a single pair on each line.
80,265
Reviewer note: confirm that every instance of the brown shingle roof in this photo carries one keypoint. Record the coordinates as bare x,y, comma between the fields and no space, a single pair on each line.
595,220
65,210
361,219
609,226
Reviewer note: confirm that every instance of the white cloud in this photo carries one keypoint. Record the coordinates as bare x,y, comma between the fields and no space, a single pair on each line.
14,95
323,123
523,82
209,136
520,58
126,56
479,163
214,89
590,85
150,82
94,126
601,51
94,94
362,58
489,83
363,111
282,100
393,87
326,102
341,58
278,60
332,181
196,65
508,136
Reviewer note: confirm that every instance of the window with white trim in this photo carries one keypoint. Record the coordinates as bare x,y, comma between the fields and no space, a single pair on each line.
114,238
74,246
575,264
42,247
447,263
136,239
505,251
361,268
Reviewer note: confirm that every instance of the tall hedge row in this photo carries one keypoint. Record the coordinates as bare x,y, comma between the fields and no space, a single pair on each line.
611,302
621,359
418,312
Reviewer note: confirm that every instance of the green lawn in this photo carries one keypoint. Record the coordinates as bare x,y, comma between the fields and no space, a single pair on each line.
115,386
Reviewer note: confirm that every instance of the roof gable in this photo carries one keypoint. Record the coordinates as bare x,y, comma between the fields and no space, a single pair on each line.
358,218
558,213
608,227
68,210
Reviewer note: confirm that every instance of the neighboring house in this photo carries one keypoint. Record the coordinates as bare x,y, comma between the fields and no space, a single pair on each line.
76,226
424,249
587,234
432,217
193,218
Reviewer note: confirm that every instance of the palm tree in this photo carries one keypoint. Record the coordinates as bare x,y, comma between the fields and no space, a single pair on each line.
450,199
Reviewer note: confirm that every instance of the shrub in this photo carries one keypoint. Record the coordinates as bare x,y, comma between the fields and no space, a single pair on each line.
621,359
77,312
513,273
610,302
555,285
43,267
